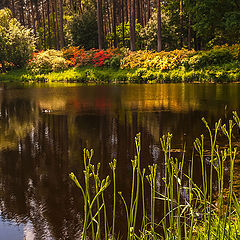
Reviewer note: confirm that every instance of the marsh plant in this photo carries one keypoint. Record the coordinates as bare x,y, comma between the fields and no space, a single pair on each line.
190,211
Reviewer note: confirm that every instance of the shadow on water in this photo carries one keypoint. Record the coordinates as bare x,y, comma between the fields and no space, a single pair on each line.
44,130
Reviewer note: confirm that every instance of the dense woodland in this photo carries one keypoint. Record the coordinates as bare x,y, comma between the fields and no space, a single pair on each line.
136,24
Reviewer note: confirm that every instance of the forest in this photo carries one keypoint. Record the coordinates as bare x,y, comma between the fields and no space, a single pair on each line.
136,24
113,29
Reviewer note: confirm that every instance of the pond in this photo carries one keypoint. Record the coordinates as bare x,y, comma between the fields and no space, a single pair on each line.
43,131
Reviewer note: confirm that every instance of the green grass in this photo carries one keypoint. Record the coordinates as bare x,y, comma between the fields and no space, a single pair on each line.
13,76
197,214
229,72
82,75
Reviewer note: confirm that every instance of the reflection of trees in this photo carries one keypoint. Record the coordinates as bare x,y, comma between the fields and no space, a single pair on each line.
17,119
35,183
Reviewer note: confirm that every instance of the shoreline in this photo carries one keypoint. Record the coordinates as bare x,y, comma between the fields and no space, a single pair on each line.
89,74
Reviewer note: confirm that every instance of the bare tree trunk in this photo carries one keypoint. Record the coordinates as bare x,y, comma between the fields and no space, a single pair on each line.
114,24
100,24
144,13
44,26
181,23
33,17
22,18
37,14
61,23
148,10
189,33
54,26
109,17
159,32
123,24
56,22
29,15
49,25
126,10
138,11
131,8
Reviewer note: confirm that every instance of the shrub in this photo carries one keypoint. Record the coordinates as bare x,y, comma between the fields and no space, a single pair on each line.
83,30
16,42
48,61
162,61
215,56
114,62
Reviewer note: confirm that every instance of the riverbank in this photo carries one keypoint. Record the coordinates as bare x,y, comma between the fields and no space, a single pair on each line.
216,74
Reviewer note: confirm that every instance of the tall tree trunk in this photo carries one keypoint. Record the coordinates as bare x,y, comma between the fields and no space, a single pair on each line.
114,24
37,14
49,25
189,33
131,8
54,26
123,24
181,23
22,18
159,31
144,13
56,22
44,26
100,24
61,23
126,10
148,10
138,11
109,17
33,17
29,15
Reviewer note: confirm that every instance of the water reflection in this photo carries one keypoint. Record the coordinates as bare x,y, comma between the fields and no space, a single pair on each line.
43,132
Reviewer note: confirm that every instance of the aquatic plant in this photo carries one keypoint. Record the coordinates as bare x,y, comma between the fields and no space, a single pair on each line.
191,211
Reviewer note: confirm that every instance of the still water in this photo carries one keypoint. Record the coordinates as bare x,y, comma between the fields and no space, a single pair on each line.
43,131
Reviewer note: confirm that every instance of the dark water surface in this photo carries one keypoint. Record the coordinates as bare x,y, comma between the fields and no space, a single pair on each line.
43,131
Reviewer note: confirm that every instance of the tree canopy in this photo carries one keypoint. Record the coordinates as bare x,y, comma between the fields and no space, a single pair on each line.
198,24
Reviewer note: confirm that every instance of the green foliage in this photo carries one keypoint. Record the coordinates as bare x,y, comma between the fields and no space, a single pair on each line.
216,56
119,32
83,30
17,42
214,22
48,61
114,62
149,33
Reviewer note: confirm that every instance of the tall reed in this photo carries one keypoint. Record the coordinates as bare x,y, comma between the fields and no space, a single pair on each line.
190,211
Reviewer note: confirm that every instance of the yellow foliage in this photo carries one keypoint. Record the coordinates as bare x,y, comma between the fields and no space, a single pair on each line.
155,60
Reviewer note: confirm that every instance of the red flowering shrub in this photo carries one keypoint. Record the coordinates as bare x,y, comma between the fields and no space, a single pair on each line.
80,57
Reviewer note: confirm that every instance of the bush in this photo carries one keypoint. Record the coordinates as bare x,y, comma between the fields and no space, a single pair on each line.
114,62
217,56
83,30
48,61
162,61
16,42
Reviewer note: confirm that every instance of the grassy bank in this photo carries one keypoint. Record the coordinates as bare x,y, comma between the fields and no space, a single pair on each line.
191,211
218,74
73,74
